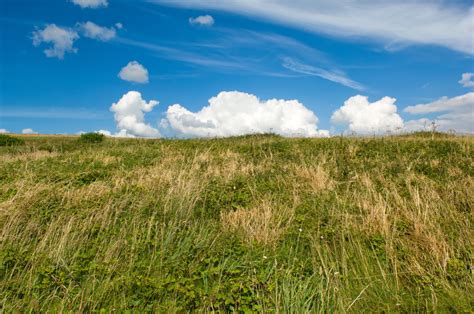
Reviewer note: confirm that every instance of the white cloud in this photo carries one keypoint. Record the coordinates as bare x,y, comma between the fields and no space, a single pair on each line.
205,20
333,76
121,133
443,104
395,23
134,72
118,25
466,80
363,117
28,131
236,113
4,131
130,116
456,113
62,40
93,4
104,132
94,31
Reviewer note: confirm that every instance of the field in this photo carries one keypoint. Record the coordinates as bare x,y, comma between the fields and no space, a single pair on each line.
247,224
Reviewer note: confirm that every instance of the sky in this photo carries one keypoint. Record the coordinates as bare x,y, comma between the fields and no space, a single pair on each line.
200,68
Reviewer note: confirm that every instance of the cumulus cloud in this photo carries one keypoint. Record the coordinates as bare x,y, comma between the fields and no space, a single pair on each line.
362,117
134,72
130,116
28,131
118,25
466,80
93,4
94,31
236,113
62,40
395,23
205,20
456,113
4,131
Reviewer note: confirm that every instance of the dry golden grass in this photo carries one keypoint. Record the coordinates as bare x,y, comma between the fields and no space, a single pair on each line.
316,176
263,223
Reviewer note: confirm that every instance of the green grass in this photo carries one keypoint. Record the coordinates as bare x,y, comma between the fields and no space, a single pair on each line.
7,140
245,224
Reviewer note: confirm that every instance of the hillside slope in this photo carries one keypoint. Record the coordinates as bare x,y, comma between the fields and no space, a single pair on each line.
256,224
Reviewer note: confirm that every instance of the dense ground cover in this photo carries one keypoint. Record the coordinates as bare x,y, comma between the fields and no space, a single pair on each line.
255,223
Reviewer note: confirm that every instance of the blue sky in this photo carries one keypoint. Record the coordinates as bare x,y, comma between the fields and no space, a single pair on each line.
270,49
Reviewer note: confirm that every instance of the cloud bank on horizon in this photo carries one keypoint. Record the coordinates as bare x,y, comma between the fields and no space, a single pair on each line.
362,117
235,113
456,114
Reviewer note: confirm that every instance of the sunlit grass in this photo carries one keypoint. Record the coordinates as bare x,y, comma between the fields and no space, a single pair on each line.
255,223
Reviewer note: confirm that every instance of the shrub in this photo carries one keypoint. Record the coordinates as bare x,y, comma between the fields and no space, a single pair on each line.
92,137
7,140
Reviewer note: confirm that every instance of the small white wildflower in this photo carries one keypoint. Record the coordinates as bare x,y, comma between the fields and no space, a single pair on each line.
300,230
264,257
322,237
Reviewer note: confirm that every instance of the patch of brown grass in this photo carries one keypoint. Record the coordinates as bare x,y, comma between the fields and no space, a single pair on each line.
263,223
315,176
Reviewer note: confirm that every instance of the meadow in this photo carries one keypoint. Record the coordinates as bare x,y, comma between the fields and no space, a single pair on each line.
248,224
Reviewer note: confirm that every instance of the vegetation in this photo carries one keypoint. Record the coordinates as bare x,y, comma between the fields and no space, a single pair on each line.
91,137
247,224
7,140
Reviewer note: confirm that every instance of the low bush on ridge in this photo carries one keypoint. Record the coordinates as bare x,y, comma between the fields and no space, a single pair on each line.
7,140
92,137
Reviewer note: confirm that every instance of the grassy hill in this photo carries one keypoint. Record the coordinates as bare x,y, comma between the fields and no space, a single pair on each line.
247,224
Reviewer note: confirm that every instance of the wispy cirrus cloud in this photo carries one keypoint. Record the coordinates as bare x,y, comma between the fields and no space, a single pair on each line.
330,75
173,53
248,51
395,23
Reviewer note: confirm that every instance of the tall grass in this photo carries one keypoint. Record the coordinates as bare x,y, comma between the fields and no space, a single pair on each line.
255,223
